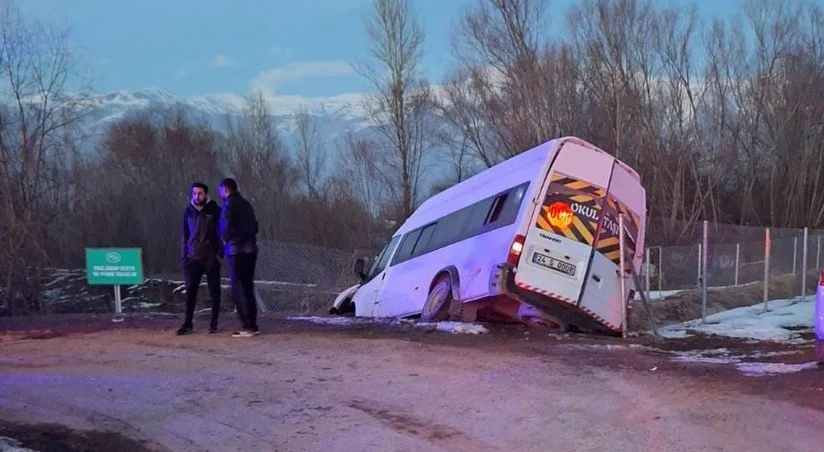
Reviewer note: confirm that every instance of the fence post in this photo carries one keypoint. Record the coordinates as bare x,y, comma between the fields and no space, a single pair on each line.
795,252
623,280
766,267
804,268
698,278
647,276
660,270
704,278
737,257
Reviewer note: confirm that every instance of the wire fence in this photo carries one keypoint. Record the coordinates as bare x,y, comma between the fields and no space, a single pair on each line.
737,265
744,266
736,256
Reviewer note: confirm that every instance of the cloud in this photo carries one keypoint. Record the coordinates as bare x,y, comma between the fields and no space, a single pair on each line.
222,61
269,81
281,51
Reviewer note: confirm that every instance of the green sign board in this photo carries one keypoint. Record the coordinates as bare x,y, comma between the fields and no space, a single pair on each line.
114,266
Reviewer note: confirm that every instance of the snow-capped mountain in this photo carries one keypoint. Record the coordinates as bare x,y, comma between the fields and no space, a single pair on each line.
333,116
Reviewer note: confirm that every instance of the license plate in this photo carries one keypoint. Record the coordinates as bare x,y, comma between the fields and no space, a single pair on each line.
553,264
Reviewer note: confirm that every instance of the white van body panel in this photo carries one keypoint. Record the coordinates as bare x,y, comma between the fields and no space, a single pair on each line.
347,294
370,291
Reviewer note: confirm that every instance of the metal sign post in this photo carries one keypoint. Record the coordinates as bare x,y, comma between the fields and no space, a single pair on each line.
118,306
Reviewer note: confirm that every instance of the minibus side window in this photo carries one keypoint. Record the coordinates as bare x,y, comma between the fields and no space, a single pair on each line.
423,245
415,244
512,204
406,246
381,262
485,215
450,229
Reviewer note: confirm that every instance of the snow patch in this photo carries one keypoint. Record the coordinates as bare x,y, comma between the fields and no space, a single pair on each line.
12,445
454,327
449,327
705,359
761,369
751,369
780,324
328,320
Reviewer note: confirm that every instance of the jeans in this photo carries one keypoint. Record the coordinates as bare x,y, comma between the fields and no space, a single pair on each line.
193,272
242,276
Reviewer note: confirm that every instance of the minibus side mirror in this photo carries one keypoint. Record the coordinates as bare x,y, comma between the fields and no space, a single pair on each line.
358,268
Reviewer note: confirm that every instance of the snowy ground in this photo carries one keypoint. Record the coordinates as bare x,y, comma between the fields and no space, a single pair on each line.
449,327
12,445
779,321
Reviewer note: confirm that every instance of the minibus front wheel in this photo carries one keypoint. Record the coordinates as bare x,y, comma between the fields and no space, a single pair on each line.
441,303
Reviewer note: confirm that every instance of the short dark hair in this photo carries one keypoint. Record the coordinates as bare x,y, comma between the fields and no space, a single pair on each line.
229,183
201,185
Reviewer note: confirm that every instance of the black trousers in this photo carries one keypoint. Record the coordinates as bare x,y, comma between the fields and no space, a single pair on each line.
192,273
242,277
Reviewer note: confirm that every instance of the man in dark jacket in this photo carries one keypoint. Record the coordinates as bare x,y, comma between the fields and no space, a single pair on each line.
238,232
201,253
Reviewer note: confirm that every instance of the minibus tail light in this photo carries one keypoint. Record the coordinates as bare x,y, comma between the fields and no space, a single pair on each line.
515,250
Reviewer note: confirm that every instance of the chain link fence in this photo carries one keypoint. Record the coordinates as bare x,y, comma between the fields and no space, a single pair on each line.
740,265
294,277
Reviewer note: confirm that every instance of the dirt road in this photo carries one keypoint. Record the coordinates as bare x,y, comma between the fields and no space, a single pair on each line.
308,388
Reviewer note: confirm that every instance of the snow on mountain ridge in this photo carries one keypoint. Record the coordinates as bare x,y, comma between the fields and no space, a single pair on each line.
343,107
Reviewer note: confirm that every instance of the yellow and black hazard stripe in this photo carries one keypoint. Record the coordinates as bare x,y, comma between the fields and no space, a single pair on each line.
559,180
609,246
586,198
608,240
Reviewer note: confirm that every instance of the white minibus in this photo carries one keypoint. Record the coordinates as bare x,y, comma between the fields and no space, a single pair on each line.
533,239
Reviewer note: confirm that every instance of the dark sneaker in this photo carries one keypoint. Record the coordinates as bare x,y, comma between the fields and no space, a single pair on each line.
214,329
185,329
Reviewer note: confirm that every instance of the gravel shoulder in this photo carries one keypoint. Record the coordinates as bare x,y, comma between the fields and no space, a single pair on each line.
309,387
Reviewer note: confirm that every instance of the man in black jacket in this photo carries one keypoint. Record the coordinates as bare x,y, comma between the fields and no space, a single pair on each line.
238,232
201,253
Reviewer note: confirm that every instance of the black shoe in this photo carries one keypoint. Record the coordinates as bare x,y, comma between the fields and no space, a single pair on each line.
214,329
185,329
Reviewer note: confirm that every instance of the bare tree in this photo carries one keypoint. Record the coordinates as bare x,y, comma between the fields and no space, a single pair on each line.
36,71
311,158
401,106
257,158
